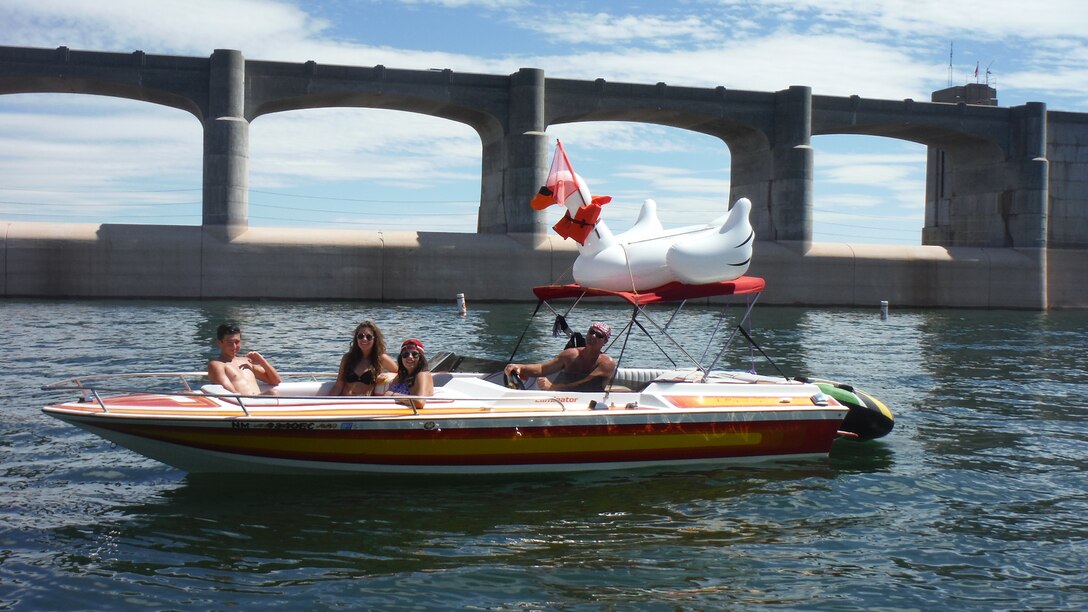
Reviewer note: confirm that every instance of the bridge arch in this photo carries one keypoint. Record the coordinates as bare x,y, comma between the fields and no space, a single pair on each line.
358,182
504,112
136,76
768,133
868,189
686,174
103,165
987,174
59,84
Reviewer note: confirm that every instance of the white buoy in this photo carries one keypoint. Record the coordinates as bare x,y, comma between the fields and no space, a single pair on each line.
461,305
883,310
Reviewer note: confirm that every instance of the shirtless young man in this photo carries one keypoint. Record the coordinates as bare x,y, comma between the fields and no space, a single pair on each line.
237,373
580,369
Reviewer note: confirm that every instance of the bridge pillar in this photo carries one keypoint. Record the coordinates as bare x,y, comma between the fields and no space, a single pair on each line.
226,147
979,196
790,206
1025,207
515,165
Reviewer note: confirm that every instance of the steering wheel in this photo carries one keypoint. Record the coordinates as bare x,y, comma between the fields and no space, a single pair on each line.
514,381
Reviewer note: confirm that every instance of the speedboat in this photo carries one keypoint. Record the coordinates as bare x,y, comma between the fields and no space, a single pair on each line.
479,422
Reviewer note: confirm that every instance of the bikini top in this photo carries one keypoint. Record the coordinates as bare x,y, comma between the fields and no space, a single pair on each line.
367,377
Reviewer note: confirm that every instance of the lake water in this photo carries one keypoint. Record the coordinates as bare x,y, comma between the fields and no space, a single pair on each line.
978,500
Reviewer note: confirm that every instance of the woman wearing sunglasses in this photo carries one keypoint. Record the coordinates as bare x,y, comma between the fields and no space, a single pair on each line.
413,377
364,363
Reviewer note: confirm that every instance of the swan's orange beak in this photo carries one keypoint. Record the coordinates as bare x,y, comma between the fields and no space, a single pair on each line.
543,199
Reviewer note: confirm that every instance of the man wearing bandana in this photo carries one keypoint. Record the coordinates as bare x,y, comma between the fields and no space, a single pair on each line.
586,368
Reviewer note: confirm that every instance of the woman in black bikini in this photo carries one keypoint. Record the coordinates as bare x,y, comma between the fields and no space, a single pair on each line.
364,362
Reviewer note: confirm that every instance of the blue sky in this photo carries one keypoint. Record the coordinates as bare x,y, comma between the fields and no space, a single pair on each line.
90,159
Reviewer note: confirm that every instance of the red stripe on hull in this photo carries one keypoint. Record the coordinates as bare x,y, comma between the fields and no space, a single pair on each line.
521,445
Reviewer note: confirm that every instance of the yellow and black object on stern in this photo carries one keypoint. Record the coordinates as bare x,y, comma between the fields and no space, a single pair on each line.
868,417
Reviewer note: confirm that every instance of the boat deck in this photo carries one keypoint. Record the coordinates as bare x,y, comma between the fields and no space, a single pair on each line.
464,396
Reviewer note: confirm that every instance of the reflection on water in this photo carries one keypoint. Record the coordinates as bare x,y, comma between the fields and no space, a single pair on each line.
243,534
975,501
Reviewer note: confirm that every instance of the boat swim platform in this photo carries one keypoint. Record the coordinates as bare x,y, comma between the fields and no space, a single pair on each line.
68,260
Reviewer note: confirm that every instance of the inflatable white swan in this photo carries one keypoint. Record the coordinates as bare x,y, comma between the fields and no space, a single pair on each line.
647,255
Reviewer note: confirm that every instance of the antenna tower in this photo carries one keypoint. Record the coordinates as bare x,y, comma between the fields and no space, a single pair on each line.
950,62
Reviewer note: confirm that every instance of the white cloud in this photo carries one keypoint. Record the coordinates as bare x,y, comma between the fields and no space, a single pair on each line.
595,138
485,4
603,29
404,149
170,26
132,141
983,19
831,65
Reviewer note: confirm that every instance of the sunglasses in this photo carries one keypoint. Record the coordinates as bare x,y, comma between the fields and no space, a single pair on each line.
364,336
412,354
597,334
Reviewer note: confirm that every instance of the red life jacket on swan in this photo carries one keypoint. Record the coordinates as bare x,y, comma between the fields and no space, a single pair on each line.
578,227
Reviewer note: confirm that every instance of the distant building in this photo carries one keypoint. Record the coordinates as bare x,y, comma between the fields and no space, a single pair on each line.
971,93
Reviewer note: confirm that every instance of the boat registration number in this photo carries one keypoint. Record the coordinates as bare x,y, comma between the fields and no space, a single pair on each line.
292,425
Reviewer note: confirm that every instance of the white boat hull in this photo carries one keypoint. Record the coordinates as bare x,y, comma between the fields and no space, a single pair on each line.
667,424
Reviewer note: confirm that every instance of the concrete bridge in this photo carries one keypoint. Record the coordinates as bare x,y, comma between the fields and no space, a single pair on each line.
1006,222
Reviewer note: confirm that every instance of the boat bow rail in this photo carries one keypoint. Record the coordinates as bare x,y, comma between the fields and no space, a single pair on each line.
307,397
461,393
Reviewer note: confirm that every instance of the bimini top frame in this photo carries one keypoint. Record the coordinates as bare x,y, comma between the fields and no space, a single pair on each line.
749,286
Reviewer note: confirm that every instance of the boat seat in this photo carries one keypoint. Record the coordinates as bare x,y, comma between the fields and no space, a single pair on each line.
637,378
221,390
303,389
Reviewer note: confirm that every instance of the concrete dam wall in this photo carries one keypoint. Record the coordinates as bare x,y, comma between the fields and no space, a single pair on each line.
189,262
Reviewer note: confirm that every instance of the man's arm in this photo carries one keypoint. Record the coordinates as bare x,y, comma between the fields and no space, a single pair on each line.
529,370
262,369
217,373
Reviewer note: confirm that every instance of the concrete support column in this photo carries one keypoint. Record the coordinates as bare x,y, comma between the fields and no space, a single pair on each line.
936,230
750,175
519,160
226,147
1026,211
1027,214
791,150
